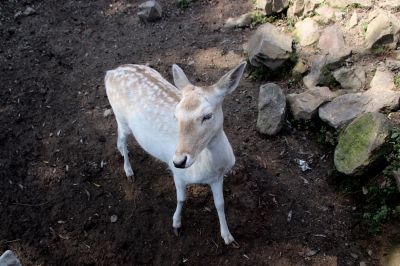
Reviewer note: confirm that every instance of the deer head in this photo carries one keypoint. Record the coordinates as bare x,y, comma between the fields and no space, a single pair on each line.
199,113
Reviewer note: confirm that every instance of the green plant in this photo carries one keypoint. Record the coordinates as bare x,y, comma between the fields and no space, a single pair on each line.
291,23
378,49
327,136
259,18
397,80
364,28
260,73
383,214
183,4
383,199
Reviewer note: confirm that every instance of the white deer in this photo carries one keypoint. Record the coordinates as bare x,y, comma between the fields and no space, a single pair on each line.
181,126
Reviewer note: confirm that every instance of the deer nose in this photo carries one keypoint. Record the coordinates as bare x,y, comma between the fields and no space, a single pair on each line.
181,162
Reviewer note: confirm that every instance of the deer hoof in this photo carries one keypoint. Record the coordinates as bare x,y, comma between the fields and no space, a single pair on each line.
177,231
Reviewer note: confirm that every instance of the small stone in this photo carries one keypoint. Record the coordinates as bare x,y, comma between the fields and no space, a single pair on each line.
392,64
296,9
29,11
307,31
107,112
362,263
113,218
350,78
275,6
353,20
305,105
150,11
383,29
300,68
238,22
325,13
271,109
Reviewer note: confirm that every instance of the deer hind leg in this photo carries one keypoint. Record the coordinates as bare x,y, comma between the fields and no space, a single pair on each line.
219,205
122,146
180,200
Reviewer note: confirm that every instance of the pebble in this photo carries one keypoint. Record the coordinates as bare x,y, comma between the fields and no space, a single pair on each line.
113,218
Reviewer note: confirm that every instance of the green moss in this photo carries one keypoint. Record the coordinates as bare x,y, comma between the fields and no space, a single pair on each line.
397,80
356,143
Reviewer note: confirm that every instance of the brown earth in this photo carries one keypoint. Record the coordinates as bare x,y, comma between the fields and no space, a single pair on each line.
61,177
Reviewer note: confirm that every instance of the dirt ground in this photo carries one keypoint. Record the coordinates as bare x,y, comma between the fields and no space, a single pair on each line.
61,177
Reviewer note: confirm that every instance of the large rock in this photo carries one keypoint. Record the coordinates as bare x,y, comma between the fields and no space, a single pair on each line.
350,78
307,31
333,45
305,105
361,143
269,46
383,29
276,6
149,11
343,109
9,259
271,109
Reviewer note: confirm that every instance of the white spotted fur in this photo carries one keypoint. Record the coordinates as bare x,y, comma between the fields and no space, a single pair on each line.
150,108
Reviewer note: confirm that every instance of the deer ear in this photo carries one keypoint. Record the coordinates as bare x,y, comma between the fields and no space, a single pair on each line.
230,80
180,78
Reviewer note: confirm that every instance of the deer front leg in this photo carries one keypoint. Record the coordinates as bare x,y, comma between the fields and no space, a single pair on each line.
219,205
180,199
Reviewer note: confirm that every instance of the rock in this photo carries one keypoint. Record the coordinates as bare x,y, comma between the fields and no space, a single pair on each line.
392,64
239,22
345,3
343,109
393,5
29,11
107,112
317,62
383,29
310,6
383,80
305,105
353,20
275,6
113,218
307,31
9,259
350,78
270,47
326,13
296,9
362,263
150,11
260,4
271,109
300,68
361,143
332,44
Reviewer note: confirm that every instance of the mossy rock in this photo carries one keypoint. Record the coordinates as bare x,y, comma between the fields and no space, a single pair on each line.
362,144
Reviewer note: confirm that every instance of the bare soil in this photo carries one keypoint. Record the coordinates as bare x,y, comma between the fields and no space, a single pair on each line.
62,178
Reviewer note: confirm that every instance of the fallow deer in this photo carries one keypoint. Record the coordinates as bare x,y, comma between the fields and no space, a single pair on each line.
181,126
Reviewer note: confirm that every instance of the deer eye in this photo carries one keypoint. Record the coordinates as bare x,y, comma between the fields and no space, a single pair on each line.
206,117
